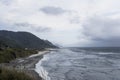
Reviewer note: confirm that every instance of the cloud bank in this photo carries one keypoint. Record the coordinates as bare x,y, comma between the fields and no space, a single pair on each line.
102,31
65,22
52,10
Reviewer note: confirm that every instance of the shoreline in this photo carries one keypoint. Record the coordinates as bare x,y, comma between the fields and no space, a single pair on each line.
27,64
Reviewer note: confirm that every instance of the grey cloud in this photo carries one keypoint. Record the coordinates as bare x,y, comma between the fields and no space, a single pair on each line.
33,27
53,10
112,13
42,29
102,31
23,25
6,2
75,20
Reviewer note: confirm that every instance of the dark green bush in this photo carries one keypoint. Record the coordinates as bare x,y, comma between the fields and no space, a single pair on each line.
8,54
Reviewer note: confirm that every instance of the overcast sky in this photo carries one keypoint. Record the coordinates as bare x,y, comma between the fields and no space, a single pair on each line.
65,22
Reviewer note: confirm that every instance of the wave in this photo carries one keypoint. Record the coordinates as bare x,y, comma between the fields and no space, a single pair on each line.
69,64
40,69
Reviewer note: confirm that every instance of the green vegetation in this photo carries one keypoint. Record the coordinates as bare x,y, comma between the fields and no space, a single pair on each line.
23,40
6,74
8,54
18,45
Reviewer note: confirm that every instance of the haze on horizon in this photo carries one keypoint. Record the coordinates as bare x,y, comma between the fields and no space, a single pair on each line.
65,22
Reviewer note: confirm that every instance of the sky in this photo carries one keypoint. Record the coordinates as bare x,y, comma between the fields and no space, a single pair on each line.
69,23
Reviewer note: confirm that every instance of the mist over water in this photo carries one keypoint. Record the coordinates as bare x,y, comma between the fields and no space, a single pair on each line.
81,64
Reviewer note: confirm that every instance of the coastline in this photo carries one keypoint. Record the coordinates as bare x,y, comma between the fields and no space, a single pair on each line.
27,65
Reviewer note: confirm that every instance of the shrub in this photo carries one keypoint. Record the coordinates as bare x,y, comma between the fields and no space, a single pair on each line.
8,54
6,74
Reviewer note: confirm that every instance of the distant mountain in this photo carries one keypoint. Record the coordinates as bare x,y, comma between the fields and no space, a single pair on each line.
23,40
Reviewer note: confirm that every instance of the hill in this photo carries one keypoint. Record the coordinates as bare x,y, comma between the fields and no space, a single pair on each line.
23,40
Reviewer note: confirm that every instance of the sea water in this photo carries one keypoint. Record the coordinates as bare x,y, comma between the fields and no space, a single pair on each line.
80,64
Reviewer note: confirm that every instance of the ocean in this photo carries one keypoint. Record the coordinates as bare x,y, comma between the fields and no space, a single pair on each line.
99,63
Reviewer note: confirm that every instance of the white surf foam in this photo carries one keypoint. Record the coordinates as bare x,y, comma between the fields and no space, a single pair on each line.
41,71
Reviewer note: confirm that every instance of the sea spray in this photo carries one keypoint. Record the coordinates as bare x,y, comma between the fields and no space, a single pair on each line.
40,69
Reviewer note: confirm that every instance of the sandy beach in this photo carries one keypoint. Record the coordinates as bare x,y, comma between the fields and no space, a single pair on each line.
27,64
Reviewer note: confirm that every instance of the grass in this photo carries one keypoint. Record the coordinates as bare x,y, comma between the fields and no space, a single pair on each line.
6,74
8,54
